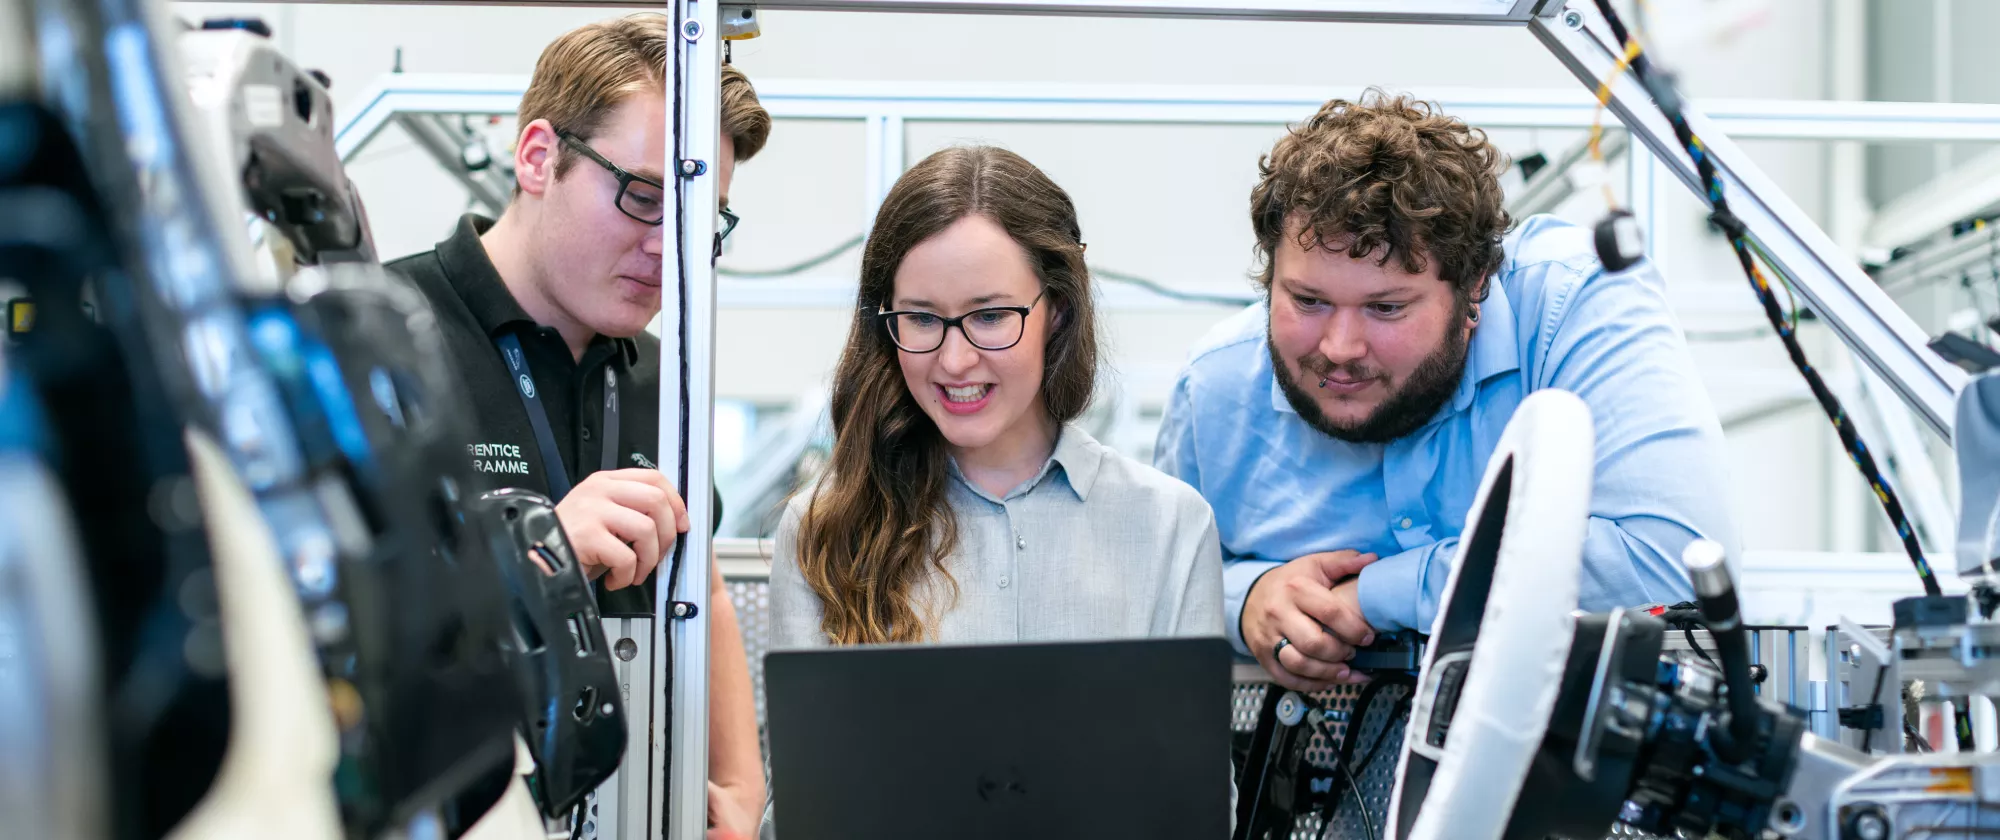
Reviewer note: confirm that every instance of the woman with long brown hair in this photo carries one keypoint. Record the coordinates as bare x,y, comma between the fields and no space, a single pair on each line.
960,504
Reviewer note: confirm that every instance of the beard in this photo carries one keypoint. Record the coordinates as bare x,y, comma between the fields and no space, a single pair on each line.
1405,410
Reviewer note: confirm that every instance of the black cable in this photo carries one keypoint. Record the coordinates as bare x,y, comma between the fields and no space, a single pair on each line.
1367,822
1875,700
1668,101
1381,736
1917,737
1686,615
1689,635
1099,272
804,265
1168,291
1344,750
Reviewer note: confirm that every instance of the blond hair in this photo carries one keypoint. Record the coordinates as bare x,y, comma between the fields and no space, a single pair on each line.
744,119
589,71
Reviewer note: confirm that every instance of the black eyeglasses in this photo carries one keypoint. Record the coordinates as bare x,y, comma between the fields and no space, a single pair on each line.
639,197
729,221
991,328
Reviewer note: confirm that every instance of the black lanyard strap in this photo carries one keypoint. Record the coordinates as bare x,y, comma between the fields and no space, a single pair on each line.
610,437
538,417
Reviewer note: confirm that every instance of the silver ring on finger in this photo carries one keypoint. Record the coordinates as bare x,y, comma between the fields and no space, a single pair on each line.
1279,647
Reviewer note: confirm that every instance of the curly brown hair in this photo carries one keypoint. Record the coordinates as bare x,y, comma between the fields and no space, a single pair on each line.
1388,173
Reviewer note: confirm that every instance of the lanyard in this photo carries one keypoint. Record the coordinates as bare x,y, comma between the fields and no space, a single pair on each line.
538,417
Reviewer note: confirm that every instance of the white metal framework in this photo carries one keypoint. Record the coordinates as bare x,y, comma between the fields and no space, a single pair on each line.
1844,297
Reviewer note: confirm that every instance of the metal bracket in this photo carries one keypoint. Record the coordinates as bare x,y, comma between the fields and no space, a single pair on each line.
1862,717
739,22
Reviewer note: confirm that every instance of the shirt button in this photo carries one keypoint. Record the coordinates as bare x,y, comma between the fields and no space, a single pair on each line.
1020,542
586,436
1405,524
1003,581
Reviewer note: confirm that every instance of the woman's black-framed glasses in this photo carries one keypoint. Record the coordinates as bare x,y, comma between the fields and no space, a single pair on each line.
639,197
991,328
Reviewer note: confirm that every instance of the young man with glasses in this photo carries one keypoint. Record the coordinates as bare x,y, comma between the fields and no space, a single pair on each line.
544,315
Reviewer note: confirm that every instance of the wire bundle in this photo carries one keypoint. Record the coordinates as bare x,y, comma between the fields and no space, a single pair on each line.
1664,96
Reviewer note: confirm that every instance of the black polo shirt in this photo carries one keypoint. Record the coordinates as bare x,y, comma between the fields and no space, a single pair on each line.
473,309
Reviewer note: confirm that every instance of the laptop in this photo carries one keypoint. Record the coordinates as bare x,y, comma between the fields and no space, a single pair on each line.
1054,741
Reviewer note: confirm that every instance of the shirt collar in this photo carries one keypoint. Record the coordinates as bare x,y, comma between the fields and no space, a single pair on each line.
1494,350
472,275
1495,346
1079,455
476,281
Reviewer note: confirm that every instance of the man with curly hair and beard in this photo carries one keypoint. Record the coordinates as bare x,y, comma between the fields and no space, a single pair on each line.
1341,427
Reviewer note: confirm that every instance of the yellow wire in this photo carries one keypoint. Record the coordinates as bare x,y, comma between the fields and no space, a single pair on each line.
1597,116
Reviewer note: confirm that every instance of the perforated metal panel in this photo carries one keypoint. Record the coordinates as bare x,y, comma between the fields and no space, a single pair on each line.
1375,781
752,598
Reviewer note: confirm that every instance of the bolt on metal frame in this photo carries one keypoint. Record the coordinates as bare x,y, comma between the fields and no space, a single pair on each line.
1864,317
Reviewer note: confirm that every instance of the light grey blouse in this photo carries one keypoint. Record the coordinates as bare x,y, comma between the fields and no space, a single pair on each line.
1095,546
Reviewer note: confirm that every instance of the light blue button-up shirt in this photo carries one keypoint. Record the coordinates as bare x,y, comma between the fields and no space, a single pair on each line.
1553,319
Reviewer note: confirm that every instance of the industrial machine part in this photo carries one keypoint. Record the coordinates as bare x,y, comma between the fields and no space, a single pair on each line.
1504,629
573,718
271,124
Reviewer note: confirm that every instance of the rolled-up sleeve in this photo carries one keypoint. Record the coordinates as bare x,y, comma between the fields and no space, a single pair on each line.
1402,591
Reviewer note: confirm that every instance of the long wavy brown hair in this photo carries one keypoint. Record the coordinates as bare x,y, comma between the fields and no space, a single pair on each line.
877,525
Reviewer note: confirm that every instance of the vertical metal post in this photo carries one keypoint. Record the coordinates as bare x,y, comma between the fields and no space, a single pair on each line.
1643,197
620,812
883,162
1833,284
678,754
1941,60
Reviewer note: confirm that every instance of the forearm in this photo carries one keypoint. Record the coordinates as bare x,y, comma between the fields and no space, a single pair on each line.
1625,563
1238,577
734,760
1401,591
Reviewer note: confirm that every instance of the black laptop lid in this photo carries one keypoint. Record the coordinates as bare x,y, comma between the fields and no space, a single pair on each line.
1048,741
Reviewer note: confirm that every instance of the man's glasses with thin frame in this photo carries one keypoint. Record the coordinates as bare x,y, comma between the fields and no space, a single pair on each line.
729,221
988,328
640,197
647,203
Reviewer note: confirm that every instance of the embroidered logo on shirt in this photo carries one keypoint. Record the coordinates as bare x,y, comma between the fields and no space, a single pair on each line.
497,458
641,461
527,386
